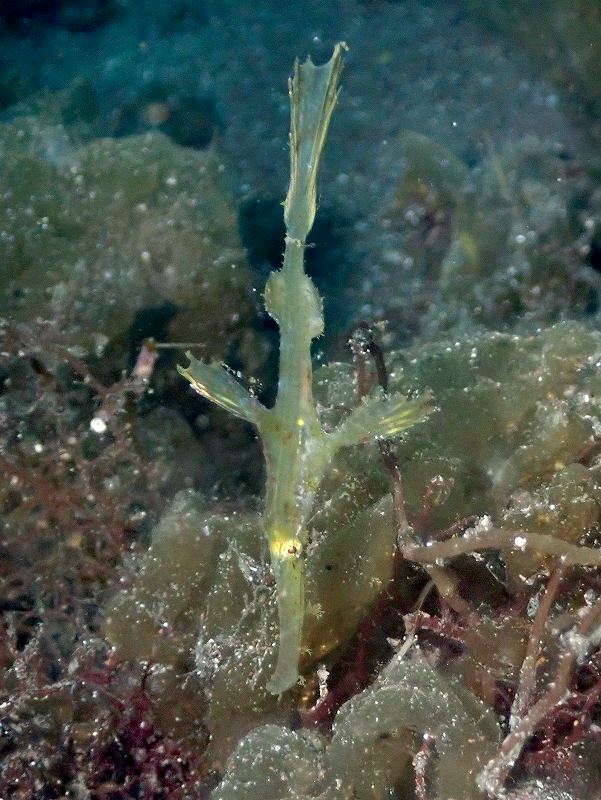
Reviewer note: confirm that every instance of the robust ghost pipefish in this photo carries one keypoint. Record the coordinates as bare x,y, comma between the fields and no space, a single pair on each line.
297,449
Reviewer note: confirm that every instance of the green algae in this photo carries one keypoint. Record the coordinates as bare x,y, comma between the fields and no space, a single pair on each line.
506,244
92,233
204,601
204,597
373,739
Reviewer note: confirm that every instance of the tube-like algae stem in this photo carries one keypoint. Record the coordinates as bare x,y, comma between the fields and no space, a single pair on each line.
501,539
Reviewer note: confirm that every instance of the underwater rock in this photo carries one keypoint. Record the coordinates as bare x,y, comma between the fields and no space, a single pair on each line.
73,15
373,735
513,438
14,12
166,438
567,507
91,234
515,415
162,608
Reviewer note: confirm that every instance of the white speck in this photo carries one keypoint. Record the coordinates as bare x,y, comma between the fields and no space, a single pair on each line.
322,677
98,425
520,541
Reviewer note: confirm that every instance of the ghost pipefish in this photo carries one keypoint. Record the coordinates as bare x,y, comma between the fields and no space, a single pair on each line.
296,448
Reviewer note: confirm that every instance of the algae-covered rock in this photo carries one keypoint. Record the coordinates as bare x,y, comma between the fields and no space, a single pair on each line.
272,763
516,426
506,242
90,234
235,648
204,601
513,438
349,567
157,619
512,412
521,239
165,437
566,507
374,737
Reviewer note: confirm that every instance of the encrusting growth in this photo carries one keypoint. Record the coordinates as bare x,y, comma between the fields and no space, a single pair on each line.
297,450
